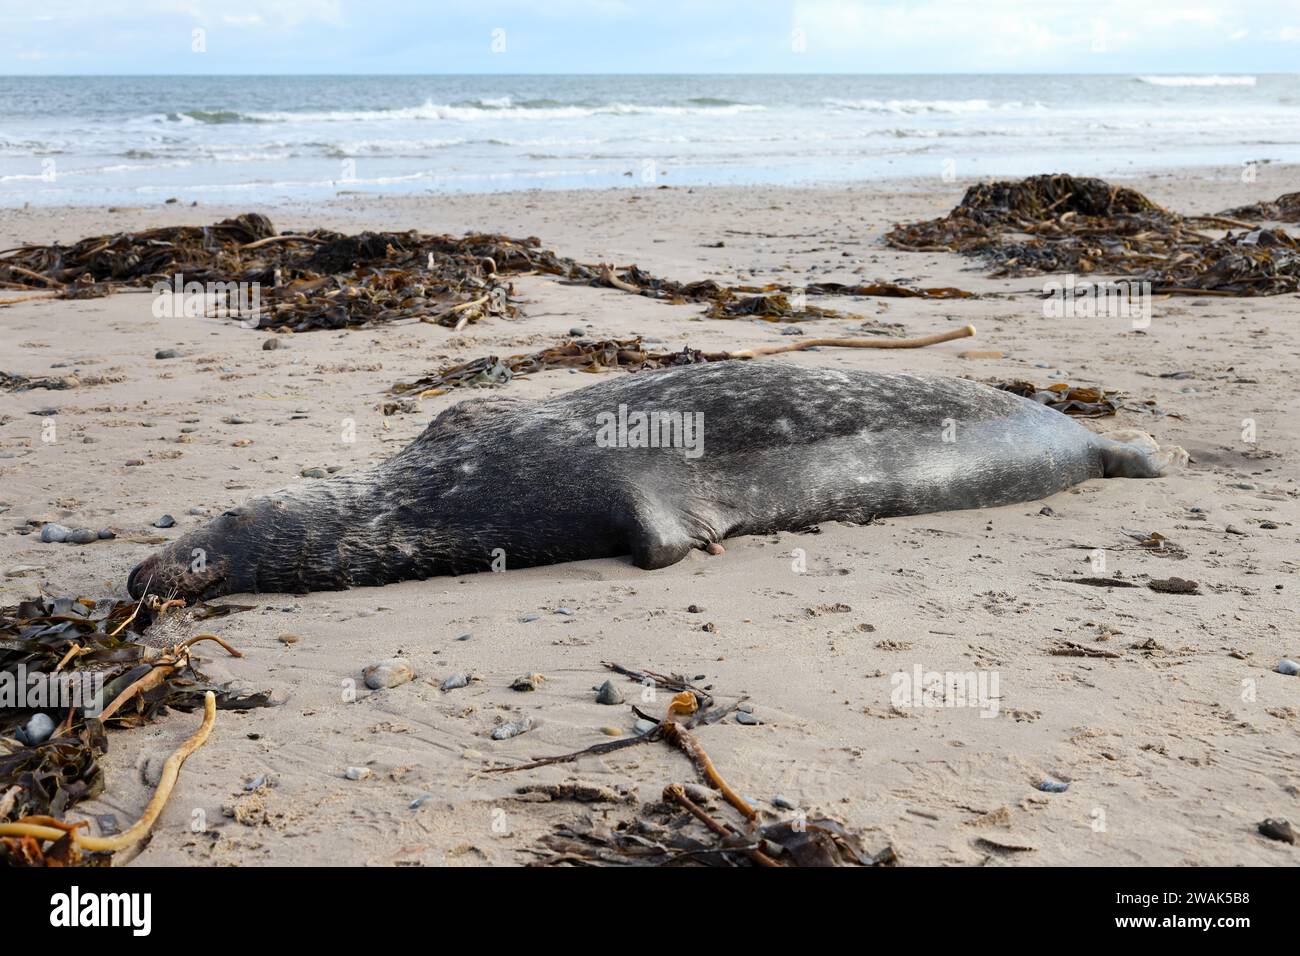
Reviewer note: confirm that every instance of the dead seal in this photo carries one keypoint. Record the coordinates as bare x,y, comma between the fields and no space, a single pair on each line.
650,465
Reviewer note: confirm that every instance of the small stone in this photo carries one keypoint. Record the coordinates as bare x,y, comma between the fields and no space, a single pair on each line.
55,533
288,638
611,731
513,729
1052,786
1288,667
745,707
567,612
699,793
694,609
748,719
644,726
708,627
783,803
357,773
166,521
270,345
196,511
107,534
464,637
1275,828
1233,529
529,618
166,354
314,473
390,673
578,331
83,536
527,682
39,729
458,679
608,694
1047,512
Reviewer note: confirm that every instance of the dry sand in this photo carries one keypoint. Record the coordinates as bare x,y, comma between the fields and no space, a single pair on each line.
1173,750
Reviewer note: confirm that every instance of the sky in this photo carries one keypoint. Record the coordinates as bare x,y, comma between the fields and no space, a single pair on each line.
648,36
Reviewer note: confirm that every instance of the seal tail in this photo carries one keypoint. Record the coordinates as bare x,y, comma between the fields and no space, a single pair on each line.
1134,454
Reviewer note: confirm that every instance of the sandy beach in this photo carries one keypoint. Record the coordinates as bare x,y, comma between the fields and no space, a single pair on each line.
1176,738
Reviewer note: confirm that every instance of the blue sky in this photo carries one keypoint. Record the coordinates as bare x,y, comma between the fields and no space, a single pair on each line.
649,36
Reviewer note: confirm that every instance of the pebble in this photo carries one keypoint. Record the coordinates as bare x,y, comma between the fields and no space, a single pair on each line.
197,511
513,729
83,536
39,729
357,773
1276,828
419,801
699,793
527,682
166,521
644,726
744,717
567,612
607,693
784,803
314,473
1052,786
464,637
577,330
166,354
458,679
55,533
529,618
107,534
745,707
271,345
1288,667
611,731
288,638
390,673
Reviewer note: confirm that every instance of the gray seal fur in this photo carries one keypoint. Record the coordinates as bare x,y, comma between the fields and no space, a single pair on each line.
527,483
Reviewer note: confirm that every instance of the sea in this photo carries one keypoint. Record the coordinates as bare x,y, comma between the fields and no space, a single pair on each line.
286,139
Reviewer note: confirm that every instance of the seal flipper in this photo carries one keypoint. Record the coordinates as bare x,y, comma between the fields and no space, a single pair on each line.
1133,454
652,550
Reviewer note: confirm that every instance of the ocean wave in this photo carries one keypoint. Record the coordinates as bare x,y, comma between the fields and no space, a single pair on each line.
1209,80
471,110
928,106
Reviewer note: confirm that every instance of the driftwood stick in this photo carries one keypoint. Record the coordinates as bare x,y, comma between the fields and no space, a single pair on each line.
964,332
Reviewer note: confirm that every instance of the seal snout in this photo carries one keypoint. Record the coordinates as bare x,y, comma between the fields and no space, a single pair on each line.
138,580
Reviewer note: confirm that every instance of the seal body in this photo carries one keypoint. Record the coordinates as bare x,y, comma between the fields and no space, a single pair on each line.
652,465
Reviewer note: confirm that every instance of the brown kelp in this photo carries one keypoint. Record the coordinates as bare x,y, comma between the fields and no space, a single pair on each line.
1068,224
1285,208
81,663
628,354
322,279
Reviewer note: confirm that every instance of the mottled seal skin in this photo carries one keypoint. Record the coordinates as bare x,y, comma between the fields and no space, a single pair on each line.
784,447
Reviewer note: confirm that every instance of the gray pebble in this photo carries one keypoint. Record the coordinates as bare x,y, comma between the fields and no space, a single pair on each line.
513,729
457,679
698,793
578,331
390,673
55,533
1288,667
271,345
357,773
745,707
107,534
644,726
166,354
83,536
784,803
314,473
166,521
743,717
197,511
608,694
529,618
39,729
1052,786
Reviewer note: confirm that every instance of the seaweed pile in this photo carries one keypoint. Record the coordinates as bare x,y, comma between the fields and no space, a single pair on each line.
1082,401
682,829
327,280
1286,208
95,647
1067,224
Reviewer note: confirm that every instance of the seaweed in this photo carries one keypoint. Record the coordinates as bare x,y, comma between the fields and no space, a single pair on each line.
1082,401
1060,223
97,647
322,280
1285,208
